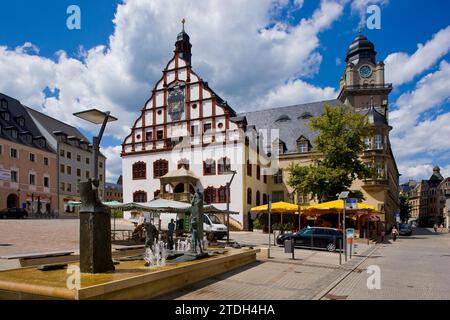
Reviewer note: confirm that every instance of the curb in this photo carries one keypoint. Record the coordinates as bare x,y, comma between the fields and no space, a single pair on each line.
340,278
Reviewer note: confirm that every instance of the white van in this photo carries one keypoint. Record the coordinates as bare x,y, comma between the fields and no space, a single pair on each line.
211,224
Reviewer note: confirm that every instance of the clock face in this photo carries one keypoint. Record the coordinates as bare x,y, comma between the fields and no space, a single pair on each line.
365,71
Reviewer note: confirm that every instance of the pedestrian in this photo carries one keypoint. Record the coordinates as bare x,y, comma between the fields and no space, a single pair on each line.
394,233
435,227
383,235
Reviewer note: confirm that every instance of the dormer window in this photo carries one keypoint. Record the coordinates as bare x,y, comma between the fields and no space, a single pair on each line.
20,121
305,116
279,146
303,145
6,116
14,133
283,118
3,104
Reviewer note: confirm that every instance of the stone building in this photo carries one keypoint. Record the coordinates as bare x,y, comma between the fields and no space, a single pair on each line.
428,199
75,161
187,137
28,177
114,191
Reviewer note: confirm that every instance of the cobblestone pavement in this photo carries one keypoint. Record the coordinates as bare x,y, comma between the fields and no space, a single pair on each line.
279,277
36,235
415,267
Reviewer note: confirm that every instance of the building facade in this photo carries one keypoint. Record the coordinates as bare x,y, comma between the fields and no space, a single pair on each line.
75,159
28,176
114,191
428,199
188,138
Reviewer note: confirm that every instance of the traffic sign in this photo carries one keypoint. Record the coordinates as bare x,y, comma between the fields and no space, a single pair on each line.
351,204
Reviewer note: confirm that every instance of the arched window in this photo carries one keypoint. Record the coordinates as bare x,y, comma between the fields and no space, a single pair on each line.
183,163
139,170
140,196
249,196
258,198
209,167
210,195
222,191
160,168
249,168
264,198
224,165
258,172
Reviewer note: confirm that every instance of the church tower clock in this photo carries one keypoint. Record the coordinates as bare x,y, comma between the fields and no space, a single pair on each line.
363,81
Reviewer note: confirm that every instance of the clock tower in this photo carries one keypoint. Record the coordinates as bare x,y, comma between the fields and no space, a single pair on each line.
362,84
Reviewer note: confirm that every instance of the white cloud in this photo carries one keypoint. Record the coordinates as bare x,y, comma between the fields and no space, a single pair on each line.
296,92
421,125
239,54
114,162
402,67
430,93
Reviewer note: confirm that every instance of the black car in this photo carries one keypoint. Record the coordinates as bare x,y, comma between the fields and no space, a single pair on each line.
315,237
14,213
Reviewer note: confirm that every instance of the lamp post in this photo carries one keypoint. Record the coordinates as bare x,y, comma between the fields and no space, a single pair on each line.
228,203
95,218
343,196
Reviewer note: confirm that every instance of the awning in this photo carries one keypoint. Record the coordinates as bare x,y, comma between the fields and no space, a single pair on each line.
278,207
337,205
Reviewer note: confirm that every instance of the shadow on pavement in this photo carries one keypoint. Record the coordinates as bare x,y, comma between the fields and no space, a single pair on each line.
204,283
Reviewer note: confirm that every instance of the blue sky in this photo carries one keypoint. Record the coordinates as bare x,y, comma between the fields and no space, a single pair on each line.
114,62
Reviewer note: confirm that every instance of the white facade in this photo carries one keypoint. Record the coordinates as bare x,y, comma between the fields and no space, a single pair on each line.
184,120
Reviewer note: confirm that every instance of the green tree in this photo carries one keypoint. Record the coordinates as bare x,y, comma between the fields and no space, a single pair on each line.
405,208
339,144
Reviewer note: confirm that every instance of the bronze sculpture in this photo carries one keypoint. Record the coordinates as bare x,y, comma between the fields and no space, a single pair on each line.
197,220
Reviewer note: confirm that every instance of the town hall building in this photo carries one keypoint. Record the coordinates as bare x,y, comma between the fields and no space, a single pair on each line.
187,138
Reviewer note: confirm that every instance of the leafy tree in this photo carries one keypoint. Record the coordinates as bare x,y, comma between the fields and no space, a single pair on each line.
405,208
339,143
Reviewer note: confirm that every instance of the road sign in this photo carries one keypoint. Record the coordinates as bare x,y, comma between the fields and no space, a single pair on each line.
5,175
350,233
351,204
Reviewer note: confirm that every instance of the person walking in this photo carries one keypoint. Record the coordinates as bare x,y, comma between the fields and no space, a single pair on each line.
435,227
383,235
394,233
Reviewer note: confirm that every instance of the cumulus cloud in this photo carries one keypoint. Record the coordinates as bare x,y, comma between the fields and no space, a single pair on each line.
114,162
421,125
295,92
243,48
402,67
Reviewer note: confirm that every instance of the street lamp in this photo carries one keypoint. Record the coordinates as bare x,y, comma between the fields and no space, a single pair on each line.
343,196
233,172
96,116
95,218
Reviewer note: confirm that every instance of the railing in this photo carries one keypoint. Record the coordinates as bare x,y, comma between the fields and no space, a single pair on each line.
358,87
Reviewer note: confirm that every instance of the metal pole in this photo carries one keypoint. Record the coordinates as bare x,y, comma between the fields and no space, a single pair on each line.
340,242
228,212
270,209
96,144
345,233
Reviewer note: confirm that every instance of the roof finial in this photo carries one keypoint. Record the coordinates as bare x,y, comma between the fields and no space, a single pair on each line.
183,21
359,30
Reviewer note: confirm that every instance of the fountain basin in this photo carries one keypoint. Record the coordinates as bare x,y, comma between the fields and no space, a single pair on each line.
130,280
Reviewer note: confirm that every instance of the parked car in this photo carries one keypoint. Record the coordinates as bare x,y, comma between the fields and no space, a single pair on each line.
14,213
315,237
405,229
